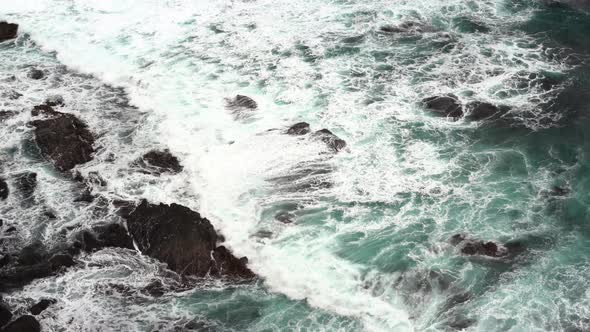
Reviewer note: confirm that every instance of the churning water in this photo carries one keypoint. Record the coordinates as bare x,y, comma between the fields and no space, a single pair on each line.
368,248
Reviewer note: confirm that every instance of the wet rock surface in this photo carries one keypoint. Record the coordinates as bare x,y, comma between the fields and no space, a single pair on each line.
26,183
4,191
180,237
241,102
40,306
5,314
157,162
35,74
63,138
471,247
332,141
8,31
102,236
447,106
300,128
25,323
478,111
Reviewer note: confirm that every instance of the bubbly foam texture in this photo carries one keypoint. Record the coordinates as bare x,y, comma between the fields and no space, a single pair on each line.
326,63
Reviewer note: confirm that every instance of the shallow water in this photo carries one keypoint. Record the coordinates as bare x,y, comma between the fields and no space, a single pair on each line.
368,248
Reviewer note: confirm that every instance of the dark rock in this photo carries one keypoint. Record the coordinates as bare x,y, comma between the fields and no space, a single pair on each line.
33,254
26,183
24,323
35,74
555,191
124,208
447,106
6,114
405,27
103,236
285,217
477,247
334,142
155,288
63,138
300,128
3,189
62,260
158,162
12,95
7,31
477,111
41,305
10,229
5,314
180,237
20,275
86,196
53,101
241,102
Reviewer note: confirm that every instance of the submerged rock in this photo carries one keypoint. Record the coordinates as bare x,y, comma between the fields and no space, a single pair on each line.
157,162
24,323
180,237
447,106
300,128
241,102
477,247
26,183
63,138
405,27
3,189
477,111
41,306
334,142
35,74
8,31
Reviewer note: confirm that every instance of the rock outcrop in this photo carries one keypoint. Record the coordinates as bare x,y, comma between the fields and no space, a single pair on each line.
477,111
8,31
24,323
102,236
447,106
300,128
157,162
63,138
332,141
181,238
40,306
472,247
241,102
35,74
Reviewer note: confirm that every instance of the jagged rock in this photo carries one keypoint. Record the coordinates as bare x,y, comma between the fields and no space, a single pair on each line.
334,142
3,189
41,306
477,247
62,260
103,236
6,114
157,162
63,138
241,102
5,314
300,128
180,237
447,106
24,323
477,111
53,101
8,31
35,74
26,183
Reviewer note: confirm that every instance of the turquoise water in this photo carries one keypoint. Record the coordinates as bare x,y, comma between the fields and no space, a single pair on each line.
369,246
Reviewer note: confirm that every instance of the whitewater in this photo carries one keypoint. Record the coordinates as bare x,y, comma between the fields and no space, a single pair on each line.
369,245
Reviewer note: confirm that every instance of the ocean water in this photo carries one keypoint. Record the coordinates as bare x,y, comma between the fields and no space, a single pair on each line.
368,249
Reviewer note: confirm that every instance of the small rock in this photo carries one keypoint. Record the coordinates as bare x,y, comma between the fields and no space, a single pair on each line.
8,31
33,254
35,74
53,101
6,114
3,189
477,247
300,128
10,229
63,138
24,323
334,142
157,162
241,102
447,106
41,306
285,217
62,260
